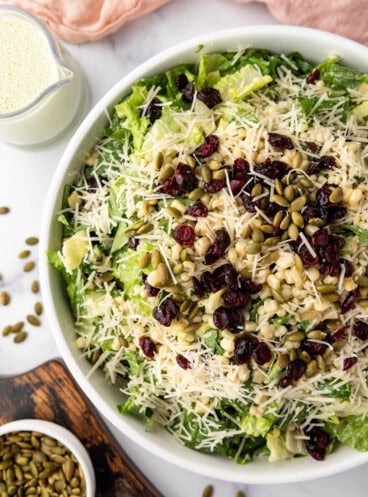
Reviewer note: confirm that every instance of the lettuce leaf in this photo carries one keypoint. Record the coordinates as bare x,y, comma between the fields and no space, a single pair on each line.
339,77
353,432
361,233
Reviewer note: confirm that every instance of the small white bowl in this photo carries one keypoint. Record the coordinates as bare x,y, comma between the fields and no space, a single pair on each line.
63,436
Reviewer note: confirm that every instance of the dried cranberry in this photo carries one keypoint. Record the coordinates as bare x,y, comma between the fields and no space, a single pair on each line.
272,169
91,183
198,210
317,443
183,362
209,96
262,354
307,258
147,346
280,141
184,234
187,89
251,287
215,185
250,204
151,290
217,249
197,287
236,186
338,241
185,178
228,318
154,110
320,238
360,330
293,372
313,77
310,212
226,275
133,243
349,268
208,147
335,212
322,196
240,168
235,299
181,81
209,283
244,346
313,348
324,162
313,147
166,311
349,362
170,187
349,301
338,334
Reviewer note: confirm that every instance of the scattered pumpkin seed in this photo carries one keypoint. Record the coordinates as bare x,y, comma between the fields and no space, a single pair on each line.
312,368
166,172
279,200
214,165
158,161
35,286
156,258
305,356
257,235
7,330
256,190
298,203
363,281
272,241
175,213
29,266
293,231
336,195
282,361
252,248
316,221
331,297
316,335
196,194
4,210
289,193
285,222
24,254
208,491
32,240
146,228
33,320
144,260
279,216
279,186
20,337
240,493
299,263
297,219
17,326
220,174
277,296
267,228
4,298
296,336
206,174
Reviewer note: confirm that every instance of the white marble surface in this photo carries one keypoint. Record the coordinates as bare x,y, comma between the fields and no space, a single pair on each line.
25,178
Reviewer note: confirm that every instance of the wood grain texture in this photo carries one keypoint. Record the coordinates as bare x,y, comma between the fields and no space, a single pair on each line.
50,393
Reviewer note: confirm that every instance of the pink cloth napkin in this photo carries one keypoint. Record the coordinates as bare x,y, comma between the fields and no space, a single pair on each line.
79,21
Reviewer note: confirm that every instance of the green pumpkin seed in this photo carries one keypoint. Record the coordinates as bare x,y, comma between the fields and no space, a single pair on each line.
292,354
267,228
256,190
32,240
33,320
35,287
279,187
297,219
316,221
282,361
279,216
185,306
20,337
166,172
305,356
307,183
316,335
4,210
277,296
214,165
289,193
22,461
298,203
220,174
156,258
336,195
257,235
194,312
321,362
332,297
298,263
285,222
207,491
24,254
206,174
177,269
312,368
279,200
326,288
363,281
38,308
175,213
293,231
296,336
7,330
253,248
196,194
272,241
146,228
4,298
158,161
191,327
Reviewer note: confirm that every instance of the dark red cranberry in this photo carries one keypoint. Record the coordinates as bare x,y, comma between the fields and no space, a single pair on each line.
322,196
349,268
217,249
309,212
236,186
317,165
338,334
272,169
170,187
151,290
185,87
335,212
208,147
251,287
181,81
240,167
313,348
147,346
185,178
307,258
154,110
133,243
184,234
349,362
338,241
209,96
320,238
349,301
183,362
228,318
209,283
91,183
262,354
197,287
244,346
313,147
360,330
215,185
293,372
235,299
280,141
166,311
226,275
198,210
250,204
317,442
313,77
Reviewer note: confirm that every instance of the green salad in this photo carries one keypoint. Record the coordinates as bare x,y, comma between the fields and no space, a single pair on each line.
215,254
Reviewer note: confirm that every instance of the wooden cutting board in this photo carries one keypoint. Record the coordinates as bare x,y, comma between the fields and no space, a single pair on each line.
50,393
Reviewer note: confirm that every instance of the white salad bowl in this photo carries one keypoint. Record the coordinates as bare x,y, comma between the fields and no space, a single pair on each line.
314,46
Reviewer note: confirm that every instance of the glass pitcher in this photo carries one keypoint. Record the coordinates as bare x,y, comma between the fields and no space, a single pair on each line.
43,93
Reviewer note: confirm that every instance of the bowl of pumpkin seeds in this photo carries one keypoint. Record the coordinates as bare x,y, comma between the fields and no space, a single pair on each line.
41,458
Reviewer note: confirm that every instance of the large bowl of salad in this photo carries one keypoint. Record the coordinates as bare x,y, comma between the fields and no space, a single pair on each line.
203,256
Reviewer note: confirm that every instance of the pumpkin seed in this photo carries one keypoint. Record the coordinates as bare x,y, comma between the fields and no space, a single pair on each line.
240,493
158,161
272,241
279,200
305,356
298,263
190,161
332,297
267,228
146,228
35,286
183,255
194,312
206,174
257,235
326,288
192,327
33,320
316,335
156,258
196,194
175,213
297,219
298,203
17,326
336,195
166,172
144,260
177,269
321,362
29,266
316,221
279,187
312,368
4,210
289,193
307,183
292,354
363,281
24,254
208,491
20,337
293,231
4,298
256,190
185,306
38,308
296,336
253,248
7,330
277,296
32,240
285,222
282,361
220,174
278,217
214,165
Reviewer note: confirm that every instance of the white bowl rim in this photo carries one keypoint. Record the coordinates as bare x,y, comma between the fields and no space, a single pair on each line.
63,435
272,473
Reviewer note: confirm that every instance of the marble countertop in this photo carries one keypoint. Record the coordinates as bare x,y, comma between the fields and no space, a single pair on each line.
25,178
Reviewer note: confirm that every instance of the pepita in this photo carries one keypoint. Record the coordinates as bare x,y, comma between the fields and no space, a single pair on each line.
316,335
38,308
305,356
267,228
253,248
208,491
316,221
166,172
307,183
293,231
29,266
336,195
312,368
156,258
296,336
279,187
297,219
20,337
272,241
196,194
35,287
332,297
277,296
363,281
298,203
279,200
24,254
144,260
298,263
146,228
4,298
219,174
206,174
214,165
285,222
4,210
158,161
289,193
256,190
282,361
33,320
326,288
279,216
257,235
32,240
7,330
